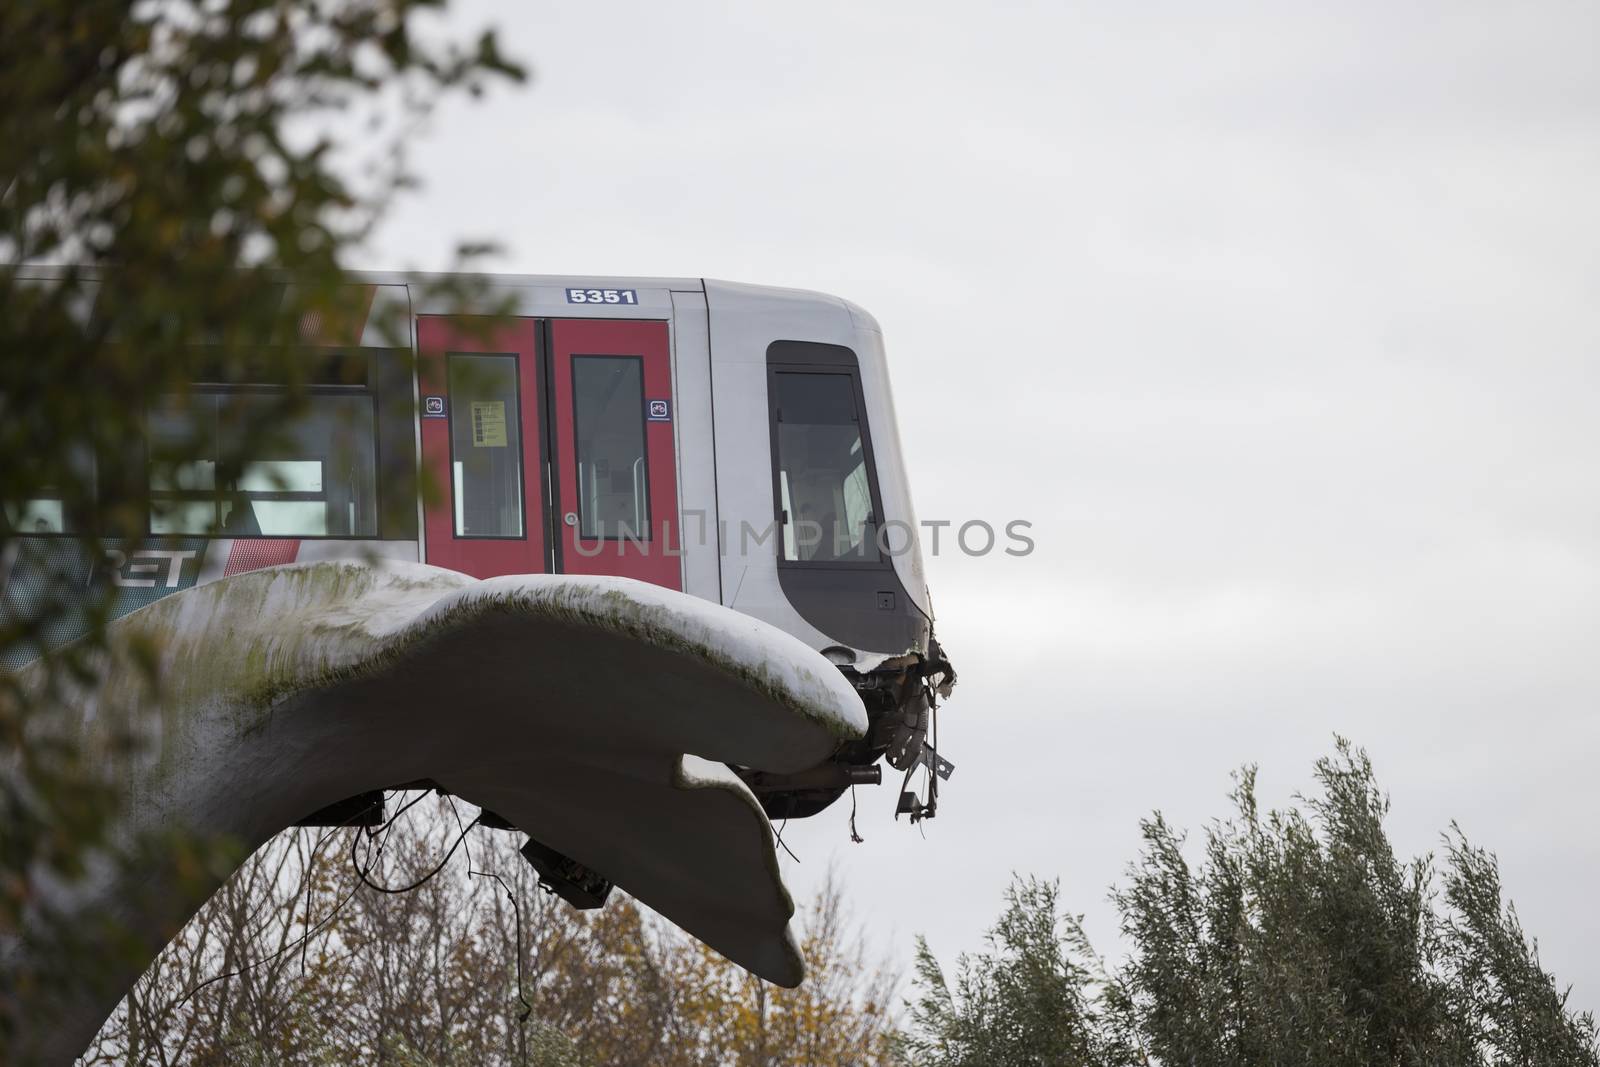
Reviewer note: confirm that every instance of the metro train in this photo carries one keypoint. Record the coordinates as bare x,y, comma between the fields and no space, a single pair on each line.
734,442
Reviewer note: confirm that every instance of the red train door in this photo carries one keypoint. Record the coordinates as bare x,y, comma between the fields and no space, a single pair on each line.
616,475
482,439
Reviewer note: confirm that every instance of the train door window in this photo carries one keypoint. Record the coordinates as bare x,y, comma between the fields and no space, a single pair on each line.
614,472
311,475
824,478
608,429
485,445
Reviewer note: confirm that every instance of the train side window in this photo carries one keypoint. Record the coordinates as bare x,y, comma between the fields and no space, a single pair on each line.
37,515
485,445
824,481
608,427
48,510
314,475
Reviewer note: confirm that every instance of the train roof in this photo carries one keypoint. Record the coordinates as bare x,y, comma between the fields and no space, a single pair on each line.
548,289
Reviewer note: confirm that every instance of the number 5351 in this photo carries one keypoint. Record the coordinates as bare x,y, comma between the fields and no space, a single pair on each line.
602,296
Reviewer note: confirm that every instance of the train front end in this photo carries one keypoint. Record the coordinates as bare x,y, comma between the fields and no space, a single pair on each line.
824,541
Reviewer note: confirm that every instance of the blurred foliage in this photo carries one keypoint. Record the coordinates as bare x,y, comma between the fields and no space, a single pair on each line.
173,164
296,960
1298,938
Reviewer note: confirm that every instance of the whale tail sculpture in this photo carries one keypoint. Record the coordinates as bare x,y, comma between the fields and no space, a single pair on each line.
601,716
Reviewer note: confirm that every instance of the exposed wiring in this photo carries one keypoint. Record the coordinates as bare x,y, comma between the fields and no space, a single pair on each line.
928,808
933,742
467,851
305,882
779,836
407,806
855,838
905,781
325,920
516,911
362,874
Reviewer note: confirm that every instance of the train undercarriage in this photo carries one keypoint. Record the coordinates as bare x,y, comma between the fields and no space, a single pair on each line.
901,696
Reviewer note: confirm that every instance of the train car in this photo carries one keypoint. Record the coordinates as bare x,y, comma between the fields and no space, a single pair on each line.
734,442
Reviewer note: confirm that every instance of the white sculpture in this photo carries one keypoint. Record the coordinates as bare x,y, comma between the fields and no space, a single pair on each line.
596,714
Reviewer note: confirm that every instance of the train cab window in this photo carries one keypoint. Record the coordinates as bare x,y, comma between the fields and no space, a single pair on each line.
608,426
485,445
824,480
313,475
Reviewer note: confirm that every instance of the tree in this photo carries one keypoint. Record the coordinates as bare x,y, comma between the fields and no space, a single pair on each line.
841,1014
1300,937
1028,1000
175,160
300,958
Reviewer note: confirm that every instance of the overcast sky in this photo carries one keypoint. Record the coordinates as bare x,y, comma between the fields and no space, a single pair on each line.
1280,326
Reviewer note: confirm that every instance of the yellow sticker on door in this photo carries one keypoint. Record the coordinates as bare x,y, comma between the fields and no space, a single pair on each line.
489,423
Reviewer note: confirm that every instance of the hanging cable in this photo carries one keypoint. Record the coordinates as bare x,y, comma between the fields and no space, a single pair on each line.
516,911
403,809
323,922
362,874
779,835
